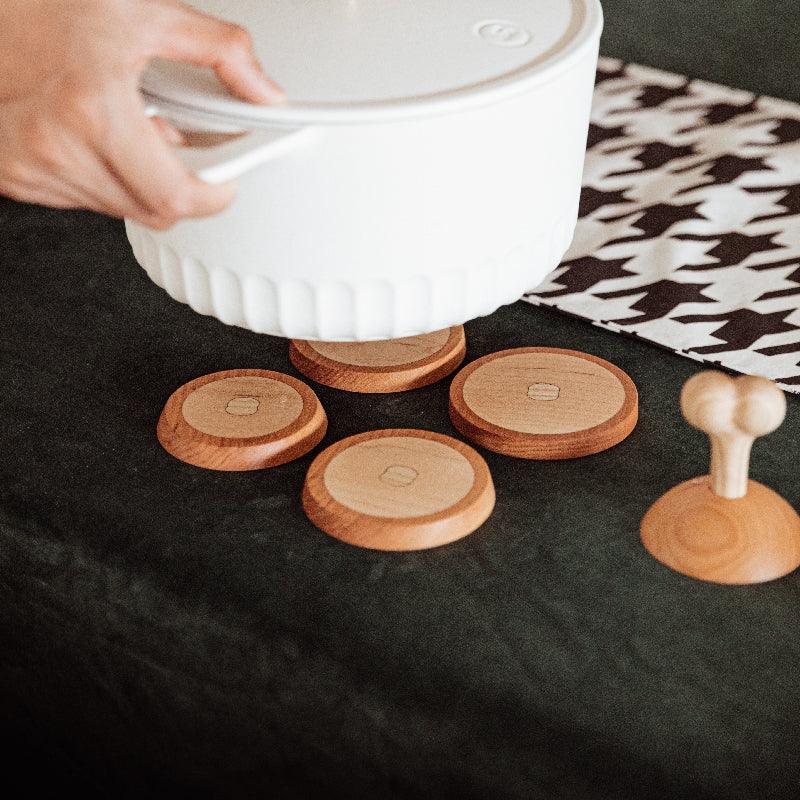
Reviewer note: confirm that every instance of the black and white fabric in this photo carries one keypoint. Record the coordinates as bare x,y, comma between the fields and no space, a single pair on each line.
689,230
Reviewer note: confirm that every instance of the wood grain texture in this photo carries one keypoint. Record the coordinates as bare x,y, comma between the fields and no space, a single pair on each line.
242,407
543,403
241,419
398,489
397,365
746,540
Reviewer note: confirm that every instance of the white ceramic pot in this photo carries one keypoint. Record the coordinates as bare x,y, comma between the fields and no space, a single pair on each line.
425,171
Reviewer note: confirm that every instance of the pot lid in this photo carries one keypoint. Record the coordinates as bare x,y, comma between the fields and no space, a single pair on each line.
369,60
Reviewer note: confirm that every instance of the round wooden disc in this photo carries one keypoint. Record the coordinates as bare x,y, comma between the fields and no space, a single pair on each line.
752,539
543,403
396,365
241,419
398,490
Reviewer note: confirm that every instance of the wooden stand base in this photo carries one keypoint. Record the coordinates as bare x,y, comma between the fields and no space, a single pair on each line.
752,539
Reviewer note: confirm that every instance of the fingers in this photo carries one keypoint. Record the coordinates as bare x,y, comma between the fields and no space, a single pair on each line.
198,39
122,167
107,193
77,174
83,140
139,159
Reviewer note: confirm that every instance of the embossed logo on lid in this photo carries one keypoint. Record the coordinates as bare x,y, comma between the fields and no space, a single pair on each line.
502,33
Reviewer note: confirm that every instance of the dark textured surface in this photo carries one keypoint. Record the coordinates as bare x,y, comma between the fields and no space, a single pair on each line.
750,44
166,631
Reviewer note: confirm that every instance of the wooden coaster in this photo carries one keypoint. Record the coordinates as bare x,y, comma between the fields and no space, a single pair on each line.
396,365
543,403
241,419
398,490
748,539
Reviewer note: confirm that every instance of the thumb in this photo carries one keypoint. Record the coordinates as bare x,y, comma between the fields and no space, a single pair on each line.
205,41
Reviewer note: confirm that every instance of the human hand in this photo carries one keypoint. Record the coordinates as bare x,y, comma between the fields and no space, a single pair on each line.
73,132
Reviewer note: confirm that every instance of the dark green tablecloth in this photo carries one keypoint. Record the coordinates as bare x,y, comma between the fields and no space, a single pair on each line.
166,631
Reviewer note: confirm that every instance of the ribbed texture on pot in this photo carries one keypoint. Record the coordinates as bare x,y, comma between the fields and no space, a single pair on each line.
341,311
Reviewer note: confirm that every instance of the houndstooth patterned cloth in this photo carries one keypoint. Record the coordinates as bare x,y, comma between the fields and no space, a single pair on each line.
689,230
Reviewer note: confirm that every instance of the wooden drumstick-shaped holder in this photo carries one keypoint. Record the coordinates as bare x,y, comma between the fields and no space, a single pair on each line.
724,527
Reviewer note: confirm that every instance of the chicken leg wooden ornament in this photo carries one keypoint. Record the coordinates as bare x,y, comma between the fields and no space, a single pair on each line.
724,527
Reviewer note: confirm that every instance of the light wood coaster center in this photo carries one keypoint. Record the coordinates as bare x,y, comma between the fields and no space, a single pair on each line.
381,367
724,527
543,403
399,476
398,490
240,408
575,395
392,353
